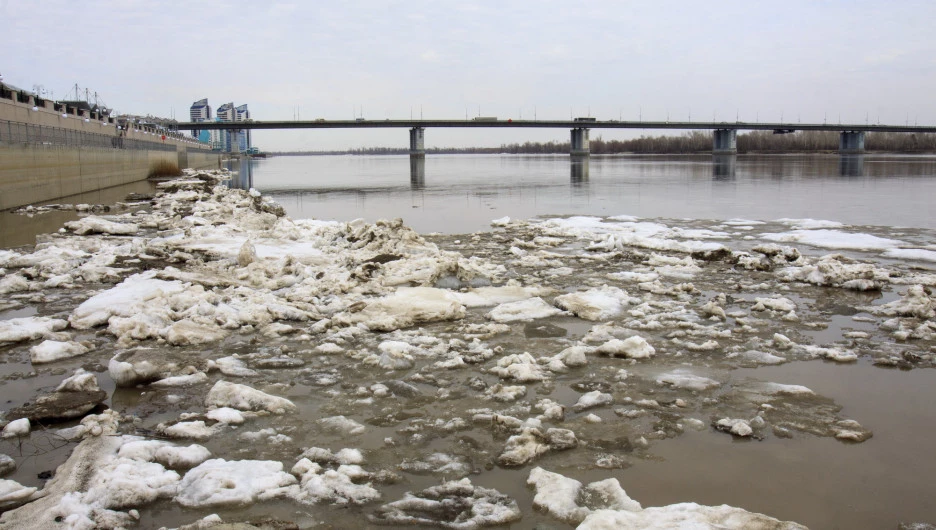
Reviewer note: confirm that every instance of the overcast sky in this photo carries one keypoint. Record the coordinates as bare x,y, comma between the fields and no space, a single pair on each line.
802,60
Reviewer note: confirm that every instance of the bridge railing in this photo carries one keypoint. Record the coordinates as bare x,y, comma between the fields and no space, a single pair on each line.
18,133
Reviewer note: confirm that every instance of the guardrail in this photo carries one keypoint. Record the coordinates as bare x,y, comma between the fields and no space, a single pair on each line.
18,133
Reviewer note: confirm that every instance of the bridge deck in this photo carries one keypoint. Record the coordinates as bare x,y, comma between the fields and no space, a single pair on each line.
554,124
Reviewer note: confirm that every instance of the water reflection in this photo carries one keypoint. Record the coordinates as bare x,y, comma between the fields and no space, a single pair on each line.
417,173
467,191
20,229
242,174
724,167
578,170
851,165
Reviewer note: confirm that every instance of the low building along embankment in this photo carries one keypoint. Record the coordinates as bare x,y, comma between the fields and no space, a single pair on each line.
50,150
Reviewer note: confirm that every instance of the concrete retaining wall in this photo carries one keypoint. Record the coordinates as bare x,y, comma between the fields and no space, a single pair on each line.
31,174
72,156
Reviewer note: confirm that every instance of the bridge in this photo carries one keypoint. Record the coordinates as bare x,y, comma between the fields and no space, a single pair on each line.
724,137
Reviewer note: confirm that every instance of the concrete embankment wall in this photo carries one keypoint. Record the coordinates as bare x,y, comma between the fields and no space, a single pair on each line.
37,173
46,154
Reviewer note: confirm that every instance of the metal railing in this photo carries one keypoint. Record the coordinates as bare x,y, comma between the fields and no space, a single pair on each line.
18,133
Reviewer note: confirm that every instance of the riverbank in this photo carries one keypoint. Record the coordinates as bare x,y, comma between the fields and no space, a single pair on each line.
255,365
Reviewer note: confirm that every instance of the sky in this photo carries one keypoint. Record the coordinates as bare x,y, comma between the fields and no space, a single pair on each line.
797,60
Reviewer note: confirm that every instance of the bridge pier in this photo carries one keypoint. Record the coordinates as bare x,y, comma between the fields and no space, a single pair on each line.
417,142
579,143
725,142
852,143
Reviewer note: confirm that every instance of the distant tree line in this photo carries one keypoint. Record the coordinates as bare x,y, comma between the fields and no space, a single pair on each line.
689,142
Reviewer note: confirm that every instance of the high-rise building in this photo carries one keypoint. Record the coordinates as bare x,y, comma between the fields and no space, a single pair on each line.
200,111
243,136
226,113
228,140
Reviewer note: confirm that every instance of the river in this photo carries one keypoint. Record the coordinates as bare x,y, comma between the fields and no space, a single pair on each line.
657,436
462,193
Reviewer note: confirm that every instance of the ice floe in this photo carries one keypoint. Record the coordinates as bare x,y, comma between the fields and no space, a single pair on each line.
597,304
569,500
530,309
31,328
836,239
604,505
217,482
635,347
52,350
96,225
243,397
455,504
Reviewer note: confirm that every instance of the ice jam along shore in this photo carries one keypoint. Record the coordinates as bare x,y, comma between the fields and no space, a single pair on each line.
206,354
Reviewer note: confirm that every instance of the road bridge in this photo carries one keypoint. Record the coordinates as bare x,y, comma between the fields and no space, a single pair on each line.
724,137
